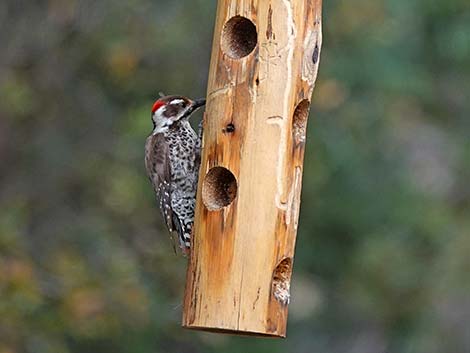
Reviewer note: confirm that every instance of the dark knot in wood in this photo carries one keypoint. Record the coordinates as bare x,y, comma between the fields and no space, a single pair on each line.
229,128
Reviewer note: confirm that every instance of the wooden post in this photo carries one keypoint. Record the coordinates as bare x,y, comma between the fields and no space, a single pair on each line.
264,64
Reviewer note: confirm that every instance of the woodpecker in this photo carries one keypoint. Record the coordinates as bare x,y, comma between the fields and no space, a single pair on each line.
172,160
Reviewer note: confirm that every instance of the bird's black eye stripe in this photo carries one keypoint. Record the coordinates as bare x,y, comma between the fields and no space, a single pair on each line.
171,110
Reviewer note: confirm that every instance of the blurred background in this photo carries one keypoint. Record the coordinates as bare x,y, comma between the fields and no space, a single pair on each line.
383,254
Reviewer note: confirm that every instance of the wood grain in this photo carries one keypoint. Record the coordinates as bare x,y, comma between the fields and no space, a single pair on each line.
259,93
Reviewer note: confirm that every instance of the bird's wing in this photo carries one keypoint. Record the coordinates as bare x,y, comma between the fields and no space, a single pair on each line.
158,170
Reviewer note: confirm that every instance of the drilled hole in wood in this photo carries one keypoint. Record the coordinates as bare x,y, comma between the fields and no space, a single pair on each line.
239,37
281,281
299,121
219,188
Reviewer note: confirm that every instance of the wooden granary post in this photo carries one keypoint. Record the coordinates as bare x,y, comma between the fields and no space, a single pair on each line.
264,63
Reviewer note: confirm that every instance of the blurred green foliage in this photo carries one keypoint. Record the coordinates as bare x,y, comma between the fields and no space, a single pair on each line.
382,262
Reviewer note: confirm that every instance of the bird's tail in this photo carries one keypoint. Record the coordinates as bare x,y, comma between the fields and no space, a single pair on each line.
184,234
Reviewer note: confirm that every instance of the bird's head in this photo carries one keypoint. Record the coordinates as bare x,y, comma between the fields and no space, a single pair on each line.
170,109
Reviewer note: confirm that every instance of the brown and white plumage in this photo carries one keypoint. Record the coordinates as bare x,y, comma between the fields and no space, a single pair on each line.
158,169
172,158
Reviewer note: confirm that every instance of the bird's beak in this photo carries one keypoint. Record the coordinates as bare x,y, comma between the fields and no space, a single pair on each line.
198,103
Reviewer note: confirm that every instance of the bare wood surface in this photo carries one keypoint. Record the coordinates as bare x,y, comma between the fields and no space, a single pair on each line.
261,80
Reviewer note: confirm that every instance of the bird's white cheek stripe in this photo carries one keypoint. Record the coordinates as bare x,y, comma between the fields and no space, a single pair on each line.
176,101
